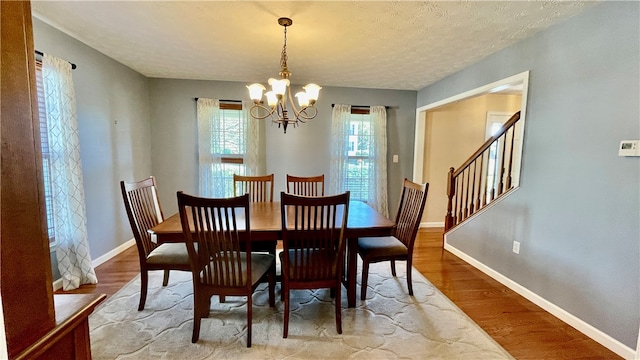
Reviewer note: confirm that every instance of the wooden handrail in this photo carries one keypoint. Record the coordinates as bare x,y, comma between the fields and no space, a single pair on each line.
508,124
466,192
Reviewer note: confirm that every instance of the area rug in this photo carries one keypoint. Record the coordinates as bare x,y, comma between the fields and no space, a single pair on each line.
389,324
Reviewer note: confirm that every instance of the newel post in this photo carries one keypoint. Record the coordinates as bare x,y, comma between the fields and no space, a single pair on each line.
451,192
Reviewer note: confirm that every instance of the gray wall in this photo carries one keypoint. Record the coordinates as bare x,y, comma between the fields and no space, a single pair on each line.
114,129
577,211
303,150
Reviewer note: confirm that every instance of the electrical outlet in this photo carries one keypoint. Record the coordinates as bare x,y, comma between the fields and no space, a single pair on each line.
516,247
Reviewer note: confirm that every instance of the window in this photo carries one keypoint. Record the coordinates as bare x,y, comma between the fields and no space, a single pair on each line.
359,154
230,145
227,145
359,161
46,155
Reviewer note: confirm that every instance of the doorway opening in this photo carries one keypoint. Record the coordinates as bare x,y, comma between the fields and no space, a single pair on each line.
449,131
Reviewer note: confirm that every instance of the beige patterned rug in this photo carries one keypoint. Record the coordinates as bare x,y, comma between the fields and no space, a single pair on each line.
390,324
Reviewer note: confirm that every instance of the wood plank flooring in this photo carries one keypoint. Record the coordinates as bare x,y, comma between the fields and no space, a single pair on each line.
522,328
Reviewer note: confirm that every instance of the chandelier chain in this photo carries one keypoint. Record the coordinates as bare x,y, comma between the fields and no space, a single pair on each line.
283,55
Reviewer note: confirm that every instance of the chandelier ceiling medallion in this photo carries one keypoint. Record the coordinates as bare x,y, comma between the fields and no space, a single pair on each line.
280,90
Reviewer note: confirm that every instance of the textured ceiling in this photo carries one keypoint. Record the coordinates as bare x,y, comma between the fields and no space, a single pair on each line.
382,44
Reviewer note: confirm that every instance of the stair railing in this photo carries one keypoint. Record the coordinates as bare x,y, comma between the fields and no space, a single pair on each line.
484,177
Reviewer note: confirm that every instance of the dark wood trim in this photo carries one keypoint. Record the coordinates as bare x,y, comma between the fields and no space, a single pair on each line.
231,160
70,337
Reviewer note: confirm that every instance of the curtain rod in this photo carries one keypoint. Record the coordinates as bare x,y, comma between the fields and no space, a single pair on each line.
73,66
361,106
231,101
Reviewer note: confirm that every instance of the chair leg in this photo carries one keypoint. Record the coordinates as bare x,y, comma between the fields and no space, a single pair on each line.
272,286
338,301
249,323
365,277
206,307
222,299
165,280
393,268
144,281
197,317
409,282
286,312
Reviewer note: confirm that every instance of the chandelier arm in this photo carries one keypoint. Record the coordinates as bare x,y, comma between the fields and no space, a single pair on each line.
293,103
255,108
302,115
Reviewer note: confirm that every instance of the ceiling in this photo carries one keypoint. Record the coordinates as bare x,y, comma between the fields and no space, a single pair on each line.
403,45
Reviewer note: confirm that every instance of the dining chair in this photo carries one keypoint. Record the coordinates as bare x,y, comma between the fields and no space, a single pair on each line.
222,263
144,212
305,185
398,246
313,246
259,188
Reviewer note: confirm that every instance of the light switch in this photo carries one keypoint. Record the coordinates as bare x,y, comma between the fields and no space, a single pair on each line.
395,158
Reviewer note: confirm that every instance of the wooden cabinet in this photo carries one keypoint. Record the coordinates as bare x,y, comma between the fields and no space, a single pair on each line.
28,307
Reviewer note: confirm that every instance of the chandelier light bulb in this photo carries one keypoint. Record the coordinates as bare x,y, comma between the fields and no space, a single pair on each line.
303,99
279,86
272,98
313,90
255,91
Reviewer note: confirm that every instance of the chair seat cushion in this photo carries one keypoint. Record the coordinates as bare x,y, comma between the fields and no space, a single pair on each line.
381,247
169,253
260,265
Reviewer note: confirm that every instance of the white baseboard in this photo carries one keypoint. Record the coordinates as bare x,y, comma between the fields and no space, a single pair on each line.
57,285
432,224
587,329
113,253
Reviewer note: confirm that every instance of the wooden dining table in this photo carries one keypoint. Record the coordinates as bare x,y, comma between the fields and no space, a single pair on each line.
266,225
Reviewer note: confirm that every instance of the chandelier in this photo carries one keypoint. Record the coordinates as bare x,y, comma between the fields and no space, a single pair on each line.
280,91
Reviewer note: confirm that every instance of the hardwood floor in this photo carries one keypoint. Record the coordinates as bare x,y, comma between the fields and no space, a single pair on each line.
522,328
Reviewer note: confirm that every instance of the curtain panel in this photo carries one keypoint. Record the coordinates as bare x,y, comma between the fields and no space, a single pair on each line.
212,137
69,213
376,179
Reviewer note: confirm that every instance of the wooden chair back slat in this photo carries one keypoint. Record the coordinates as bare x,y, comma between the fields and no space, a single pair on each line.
306,186
259,188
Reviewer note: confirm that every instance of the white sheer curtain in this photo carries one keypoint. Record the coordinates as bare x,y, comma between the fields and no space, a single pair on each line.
209,160
72,251
376,181
378,153
339,148
211,142
252,141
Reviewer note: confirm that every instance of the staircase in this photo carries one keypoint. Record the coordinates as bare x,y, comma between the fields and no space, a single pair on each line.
490,173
